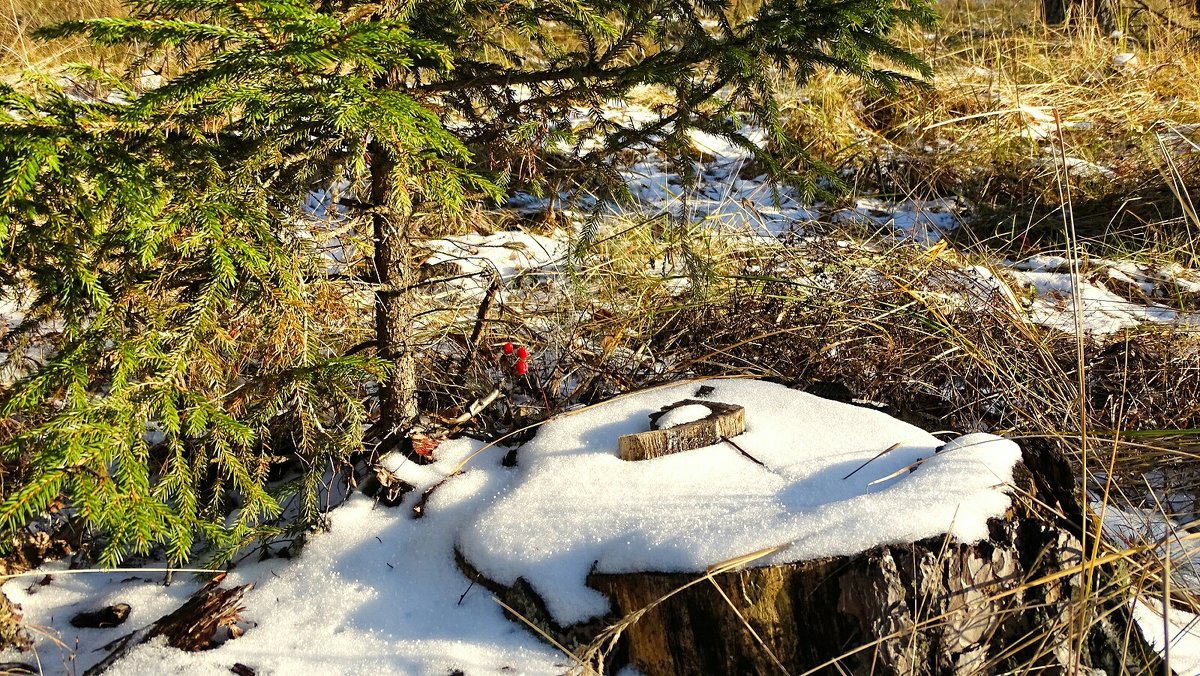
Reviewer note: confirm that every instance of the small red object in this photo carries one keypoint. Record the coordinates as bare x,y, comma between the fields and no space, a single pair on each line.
508,348
522,353
522,367
425,446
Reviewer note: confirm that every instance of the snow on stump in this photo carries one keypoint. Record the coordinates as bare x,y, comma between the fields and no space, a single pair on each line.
869,545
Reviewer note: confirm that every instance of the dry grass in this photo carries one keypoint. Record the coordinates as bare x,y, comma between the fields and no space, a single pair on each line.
19,18
891,323
985,129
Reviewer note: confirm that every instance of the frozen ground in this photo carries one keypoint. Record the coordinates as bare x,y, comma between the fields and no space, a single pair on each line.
1171,534
729,196
378,593
1181,635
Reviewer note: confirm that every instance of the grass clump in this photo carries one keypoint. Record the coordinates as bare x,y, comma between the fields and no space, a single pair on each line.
1126,112
19,50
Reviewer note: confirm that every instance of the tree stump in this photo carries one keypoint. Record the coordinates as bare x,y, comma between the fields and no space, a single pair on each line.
928,607
1011,603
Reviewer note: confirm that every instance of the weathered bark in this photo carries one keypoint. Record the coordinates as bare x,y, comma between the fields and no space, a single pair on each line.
929,607
723,422
395,278
192,626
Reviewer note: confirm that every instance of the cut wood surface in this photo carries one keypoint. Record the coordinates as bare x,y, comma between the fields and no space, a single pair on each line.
723,421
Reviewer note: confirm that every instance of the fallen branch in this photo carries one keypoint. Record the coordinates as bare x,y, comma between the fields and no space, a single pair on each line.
190,627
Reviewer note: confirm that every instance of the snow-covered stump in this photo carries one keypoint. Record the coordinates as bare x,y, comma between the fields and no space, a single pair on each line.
929,607
890,551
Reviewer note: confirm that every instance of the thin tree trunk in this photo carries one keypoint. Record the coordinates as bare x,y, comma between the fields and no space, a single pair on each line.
393,297
1102,12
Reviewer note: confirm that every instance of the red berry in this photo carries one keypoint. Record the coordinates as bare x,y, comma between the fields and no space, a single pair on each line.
522,353
522,367
508,348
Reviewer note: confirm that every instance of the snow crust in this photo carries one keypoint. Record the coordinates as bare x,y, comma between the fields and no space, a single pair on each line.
573,506
727,196
502,255
381,593
921,221
1104,312
1170,536
1133,526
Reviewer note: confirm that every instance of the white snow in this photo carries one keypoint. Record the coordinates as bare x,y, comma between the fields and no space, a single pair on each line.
14,306
574,506
723,148
379,593
503,255
1182,632
1132,527
1125,60
683,415
727,198
1103,311
922,221
1135,527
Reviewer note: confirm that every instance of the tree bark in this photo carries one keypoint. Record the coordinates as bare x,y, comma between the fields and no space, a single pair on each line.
395,278
929,607
722,422
1102,12
193,626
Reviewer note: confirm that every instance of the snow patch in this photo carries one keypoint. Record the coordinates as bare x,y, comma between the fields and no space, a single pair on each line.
925,222
1181,632
378,593
683,415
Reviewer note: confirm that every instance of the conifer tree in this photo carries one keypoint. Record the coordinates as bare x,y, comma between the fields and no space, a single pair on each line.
160,229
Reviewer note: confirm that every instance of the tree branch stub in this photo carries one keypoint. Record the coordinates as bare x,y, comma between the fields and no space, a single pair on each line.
723,421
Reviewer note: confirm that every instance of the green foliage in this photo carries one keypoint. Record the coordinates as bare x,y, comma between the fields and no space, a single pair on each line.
158,240
158,268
